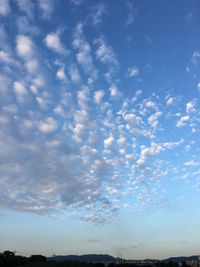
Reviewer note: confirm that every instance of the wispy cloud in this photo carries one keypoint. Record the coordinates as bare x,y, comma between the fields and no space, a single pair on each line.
47,8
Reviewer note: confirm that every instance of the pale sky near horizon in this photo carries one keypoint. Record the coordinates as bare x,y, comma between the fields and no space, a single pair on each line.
100,127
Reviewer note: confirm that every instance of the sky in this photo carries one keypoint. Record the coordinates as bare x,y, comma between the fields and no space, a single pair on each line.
100,127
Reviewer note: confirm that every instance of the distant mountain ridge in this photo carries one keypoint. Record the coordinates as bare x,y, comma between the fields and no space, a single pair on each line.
86,257
181,258
108,258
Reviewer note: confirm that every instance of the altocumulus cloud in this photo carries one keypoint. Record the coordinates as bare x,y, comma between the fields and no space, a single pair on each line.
68,144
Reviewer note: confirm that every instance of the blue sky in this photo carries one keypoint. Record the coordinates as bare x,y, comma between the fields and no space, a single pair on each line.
99,127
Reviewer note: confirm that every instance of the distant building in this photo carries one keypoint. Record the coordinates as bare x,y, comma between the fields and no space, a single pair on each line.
194,263
136,262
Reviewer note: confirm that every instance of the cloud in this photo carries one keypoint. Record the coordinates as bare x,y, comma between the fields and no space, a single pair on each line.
132,13
108,142
121,141
25,26
87,160
76,2
27,7
5,57
153,119
198,86
106,56
190,106
182,121
83,56
132,72
74,74
52,41
48,125
192,163
98,95
61,74
195,57
4,7
97,13
32,66
148,151
47,8
170,100
24,46
71,141
105,53
19,89
114,92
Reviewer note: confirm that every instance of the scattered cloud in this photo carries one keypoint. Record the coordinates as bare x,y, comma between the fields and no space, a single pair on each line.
132,72
182,121
24,46
105,53
48,125
74,135
83,56
195,57
52,41
132,13
98,95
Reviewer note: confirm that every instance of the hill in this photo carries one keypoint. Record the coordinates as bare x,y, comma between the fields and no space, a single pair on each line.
84,258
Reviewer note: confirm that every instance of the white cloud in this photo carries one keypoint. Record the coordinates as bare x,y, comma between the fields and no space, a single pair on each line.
98,95
106,56
61,74
170,101
130,116
108,142
48,125
25,46
132,72
83,56
114,92
150,104
182,121
191,163
190,106
4,7
105,53
153,119
19,89
121,141
195,57
147,151
52,41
